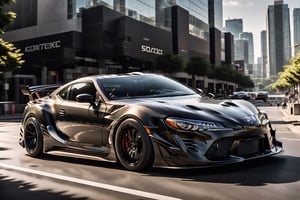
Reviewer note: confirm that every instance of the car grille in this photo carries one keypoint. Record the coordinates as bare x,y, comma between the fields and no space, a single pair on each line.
248,147
244,147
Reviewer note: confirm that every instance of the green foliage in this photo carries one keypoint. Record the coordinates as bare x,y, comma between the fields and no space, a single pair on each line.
198,66
290,76
10,56
5,17
169,63
227,73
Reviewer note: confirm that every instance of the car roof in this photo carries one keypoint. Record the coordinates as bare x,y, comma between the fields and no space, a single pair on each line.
104,76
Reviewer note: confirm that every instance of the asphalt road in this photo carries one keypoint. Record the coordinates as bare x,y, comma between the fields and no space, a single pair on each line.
60,177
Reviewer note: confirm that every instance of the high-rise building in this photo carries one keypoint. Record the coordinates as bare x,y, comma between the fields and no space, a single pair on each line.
235,26
217,44
241,50
257,68
278,37
296,17
249,36
264,54
243,46
216,14
229,48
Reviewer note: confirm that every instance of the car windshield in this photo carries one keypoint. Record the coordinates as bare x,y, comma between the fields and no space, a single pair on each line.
142,86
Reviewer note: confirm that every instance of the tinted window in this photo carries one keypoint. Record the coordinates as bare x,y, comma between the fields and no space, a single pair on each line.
70,92
64,93
141,86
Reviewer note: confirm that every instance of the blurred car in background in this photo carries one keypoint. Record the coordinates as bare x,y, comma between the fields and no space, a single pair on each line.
262,96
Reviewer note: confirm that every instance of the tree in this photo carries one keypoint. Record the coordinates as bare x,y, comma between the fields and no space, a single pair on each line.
224,73
169,63
227,73
10,56
290,75
199,66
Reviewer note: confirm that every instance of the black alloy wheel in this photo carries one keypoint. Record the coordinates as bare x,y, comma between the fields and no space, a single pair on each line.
133,146
33,138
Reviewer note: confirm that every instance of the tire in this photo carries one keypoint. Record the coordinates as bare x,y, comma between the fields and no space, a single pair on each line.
33,138
133,147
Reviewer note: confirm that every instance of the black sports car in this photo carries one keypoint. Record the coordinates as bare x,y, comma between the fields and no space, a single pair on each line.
144,120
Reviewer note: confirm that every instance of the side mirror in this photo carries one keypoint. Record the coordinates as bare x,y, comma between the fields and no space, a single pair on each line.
211,95
85,98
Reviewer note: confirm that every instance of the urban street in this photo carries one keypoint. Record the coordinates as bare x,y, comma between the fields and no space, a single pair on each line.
61,177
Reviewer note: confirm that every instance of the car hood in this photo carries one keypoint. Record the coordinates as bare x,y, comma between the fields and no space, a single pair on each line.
228,112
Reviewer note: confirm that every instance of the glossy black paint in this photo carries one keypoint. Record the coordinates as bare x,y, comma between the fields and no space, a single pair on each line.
72,122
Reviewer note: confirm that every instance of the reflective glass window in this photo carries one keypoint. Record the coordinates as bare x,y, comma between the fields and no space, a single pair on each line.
198,20
75,7
163,14
142,10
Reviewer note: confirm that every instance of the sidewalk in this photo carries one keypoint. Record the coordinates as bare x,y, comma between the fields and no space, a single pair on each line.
288,117
292,120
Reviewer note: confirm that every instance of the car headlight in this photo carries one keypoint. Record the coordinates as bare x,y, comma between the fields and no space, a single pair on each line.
192,125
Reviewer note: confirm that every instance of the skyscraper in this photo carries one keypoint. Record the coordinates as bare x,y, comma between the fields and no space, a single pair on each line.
264,54
296,16
249,37
278,36
217,47
241,50
235,26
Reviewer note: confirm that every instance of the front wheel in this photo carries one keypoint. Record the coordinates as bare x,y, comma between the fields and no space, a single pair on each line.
33,138
133,146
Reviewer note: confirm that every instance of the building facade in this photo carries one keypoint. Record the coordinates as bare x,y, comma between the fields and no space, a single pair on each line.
249,37
241,54
243,46
264,54
250,63
65,39
217,44
278,37
235,26
296,17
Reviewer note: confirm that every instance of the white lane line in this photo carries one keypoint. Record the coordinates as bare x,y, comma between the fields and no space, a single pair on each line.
90,183
290,139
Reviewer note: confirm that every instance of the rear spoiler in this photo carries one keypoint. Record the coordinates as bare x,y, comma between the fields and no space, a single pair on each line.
38,91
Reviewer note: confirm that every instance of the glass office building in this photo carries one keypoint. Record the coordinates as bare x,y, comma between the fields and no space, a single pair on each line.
278,36
156,13
198,16
235,26
296,17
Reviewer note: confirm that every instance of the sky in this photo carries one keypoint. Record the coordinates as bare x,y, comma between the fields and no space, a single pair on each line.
253,13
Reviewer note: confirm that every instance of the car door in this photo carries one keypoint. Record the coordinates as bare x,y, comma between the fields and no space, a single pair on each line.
80,122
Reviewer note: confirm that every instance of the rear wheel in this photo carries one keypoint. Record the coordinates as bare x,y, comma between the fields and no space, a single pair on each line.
133,146
33,138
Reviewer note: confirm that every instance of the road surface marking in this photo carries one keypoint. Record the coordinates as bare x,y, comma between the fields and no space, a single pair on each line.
90,183
291,139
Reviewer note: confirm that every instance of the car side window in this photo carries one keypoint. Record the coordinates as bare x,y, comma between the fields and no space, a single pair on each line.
64,93
70,92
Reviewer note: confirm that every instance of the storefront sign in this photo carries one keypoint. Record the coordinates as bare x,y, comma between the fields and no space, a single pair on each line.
153,50
43,46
